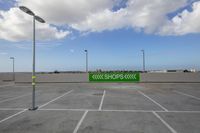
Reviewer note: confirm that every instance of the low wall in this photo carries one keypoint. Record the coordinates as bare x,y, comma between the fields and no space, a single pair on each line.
170,77
56,78
6,76
83,77
1,82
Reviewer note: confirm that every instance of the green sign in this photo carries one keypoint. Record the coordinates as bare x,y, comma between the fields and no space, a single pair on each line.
114,77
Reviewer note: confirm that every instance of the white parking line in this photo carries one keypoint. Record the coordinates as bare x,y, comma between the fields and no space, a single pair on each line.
80,122
55,99
130,111
148,111
187,95
178,111
165,123
22,86
153,101
11,108
10,99
13,115
110,110
102,99
50,109
107,110
6,85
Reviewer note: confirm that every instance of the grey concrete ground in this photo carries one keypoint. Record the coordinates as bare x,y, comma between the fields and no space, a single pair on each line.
101,108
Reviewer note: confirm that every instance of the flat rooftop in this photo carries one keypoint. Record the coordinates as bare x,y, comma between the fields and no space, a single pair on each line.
101,108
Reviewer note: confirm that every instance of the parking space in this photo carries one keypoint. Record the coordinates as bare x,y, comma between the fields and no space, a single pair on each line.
79,99
122,122
42,121
126,100
173,101
23,100
103,108
8,92
192,90
183,122
6,113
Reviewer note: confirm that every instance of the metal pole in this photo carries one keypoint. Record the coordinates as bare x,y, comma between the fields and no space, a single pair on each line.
87,61
39,19
13,69
143,60
33,72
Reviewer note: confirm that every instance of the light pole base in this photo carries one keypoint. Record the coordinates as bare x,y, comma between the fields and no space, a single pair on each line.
33,109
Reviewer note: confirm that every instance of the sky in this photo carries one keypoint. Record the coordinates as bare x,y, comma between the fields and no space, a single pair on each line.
113,31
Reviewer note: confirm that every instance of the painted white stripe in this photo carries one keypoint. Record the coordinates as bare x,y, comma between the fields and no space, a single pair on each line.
11,108
146,111
153,101
10,99
187,95
139,111
6,85
178,111
96,110
55,99
83,110
22,86
80,122
133,111
102,99
13,115
165,123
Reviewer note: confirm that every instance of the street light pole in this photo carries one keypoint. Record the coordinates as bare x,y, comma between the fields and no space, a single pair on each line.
86,52
33,72
143,53
12,58
28,11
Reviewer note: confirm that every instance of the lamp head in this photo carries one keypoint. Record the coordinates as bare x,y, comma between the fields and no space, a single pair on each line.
39,19
26,10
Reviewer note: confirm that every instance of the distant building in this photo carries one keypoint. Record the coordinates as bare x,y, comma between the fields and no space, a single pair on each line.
193,70
158,71
172,71
175,70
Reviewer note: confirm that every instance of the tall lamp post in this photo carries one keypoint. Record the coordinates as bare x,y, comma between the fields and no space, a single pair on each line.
39,19
12,58
143,53
86,52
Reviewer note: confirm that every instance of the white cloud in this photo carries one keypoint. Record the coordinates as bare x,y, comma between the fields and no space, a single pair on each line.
149,15
66,11
184,23
87,16
17,26
105,20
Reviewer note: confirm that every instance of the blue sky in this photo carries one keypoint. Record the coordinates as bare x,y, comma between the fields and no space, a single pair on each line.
115,49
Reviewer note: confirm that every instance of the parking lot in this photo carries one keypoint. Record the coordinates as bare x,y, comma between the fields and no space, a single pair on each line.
101,108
